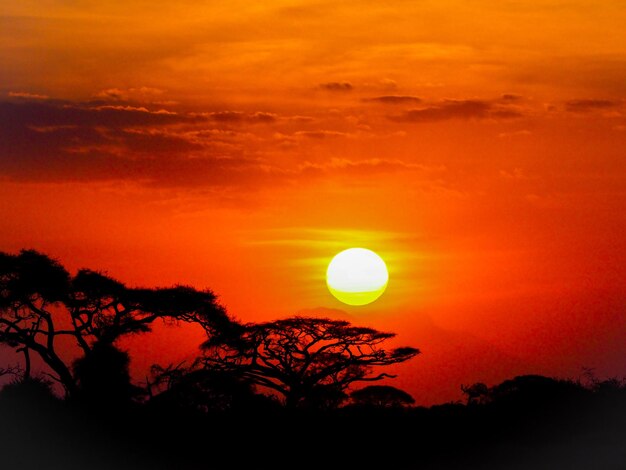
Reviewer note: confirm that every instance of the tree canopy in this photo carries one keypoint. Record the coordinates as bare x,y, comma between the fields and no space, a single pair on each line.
40,303
381,396
297,357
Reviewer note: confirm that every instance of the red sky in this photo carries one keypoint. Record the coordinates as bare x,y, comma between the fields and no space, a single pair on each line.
478,147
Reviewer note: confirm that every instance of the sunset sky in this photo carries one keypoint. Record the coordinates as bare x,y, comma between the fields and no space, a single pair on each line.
478,147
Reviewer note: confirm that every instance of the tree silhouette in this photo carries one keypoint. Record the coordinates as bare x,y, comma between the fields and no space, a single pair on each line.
476,394
298,355
33,391
40,304
102,376
202,390
524,391
381,396
324,397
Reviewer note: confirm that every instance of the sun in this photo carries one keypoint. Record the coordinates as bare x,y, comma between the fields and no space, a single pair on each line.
357,276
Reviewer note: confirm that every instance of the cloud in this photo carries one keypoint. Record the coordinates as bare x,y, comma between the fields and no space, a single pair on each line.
511,97
240,117
24,94
112,94
146,90
162,162
457,109
59,114
141,109
366,166
262,117
119,94
59,142
394,99
504,113
155,142
320,134
336,86
585,106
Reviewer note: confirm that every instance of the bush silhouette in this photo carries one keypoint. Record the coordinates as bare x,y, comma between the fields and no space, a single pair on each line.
204,391
381,396
103,378
32,392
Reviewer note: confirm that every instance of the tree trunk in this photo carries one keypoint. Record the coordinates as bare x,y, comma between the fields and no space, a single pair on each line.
292,399
26,352
65,375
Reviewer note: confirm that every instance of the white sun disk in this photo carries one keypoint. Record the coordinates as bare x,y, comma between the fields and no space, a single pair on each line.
357,276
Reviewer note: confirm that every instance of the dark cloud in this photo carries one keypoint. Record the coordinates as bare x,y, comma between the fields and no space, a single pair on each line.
227,116
234,117
337,86
457,109
504,113
57,142
61,142
55,114
394,99
511,97
583,106
172,167
321,134
159,171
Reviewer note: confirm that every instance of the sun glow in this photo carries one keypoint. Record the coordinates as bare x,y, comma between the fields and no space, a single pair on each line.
357,276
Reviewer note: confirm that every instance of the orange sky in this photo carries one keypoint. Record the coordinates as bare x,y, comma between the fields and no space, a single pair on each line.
478,147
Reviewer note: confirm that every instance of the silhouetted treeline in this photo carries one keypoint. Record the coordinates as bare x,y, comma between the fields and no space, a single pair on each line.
289,393
306,361
528,422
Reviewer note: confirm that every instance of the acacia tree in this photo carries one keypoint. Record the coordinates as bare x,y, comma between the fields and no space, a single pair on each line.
381,396
299,356
40,304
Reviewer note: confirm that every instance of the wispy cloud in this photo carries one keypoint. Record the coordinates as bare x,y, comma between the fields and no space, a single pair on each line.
337,86
129,93
321,134
589,105
393,99
457,109
63,141
58,142
368,166
240,116
27,95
